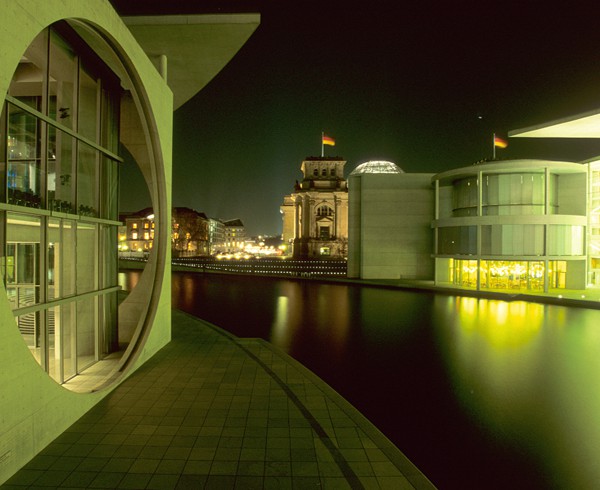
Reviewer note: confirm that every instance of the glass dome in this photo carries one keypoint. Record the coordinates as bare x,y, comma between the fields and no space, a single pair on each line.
377,167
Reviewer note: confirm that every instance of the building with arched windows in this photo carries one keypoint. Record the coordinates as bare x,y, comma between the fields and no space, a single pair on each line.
315,215
77,84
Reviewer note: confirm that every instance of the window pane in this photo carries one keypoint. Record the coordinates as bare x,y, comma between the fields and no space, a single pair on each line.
86,257
23,172
66,338
61,183
110,189
54,259
22,259
54,350
29,327
110,120
28,82
87,178
86,333
61,84
109,305
88,105
68,258
109,254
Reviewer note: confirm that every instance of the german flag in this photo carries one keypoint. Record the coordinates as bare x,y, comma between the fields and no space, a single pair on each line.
499,142
328,140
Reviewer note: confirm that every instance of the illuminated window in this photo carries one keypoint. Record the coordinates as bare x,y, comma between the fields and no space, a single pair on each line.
325,251
146,236
146,225
134,235
134,226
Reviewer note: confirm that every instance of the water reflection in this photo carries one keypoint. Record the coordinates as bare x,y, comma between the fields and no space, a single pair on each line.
528,374
478,393
320,312
128,280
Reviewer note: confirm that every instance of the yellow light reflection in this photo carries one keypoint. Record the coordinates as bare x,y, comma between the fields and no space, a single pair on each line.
528,372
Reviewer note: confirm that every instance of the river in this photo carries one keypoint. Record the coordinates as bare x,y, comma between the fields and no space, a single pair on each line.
477,393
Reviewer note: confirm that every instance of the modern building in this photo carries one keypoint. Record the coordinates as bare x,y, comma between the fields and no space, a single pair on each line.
579,126
503,225
515,224
77,83
389,223
315,215
216,236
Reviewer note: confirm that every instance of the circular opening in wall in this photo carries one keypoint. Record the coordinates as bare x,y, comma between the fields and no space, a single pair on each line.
61,126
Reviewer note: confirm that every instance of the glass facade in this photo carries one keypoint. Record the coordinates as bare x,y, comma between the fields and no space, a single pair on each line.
505,195
594,226
58,202
504,229
508,274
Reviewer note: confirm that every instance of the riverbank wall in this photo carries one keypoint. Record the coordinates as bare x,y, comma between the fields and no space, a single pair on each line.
588,298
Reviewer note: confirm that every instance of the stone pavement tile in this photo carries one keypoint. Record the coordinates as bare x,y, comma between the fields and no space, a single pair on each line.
24,477
187,482
92,464
80,479
219,482
212,411
277,483
135,480
52,478
394,483
118,465
338,483
248,483
107,479
163,482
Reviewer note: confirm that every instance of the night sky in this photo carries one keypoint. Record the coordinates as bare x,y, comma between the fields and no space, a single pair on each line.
421,85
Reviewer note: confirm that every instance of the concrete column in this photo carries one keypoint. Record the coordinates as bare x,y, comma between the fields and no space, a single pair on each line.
162,66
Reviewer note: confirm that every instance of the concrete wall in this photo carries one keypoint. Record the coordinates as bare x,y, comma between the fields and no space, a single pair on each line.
390,216
576,276
572,197
33,408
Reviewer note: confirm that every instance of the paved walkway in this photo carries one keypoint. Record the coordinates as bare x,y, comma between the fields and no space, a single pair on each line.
214,411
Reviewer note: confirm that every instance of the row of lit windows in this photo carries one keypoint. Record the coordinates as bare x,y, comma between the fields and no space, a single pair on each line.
498,274
147,235
147,225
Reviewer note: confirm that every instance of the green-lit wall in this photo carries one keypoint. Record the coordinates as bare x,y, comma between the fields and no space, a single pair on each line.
33,408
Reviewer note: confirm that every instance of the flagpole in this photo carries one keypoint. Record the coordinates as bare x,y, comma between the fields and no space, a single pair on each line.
322,145
493,146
